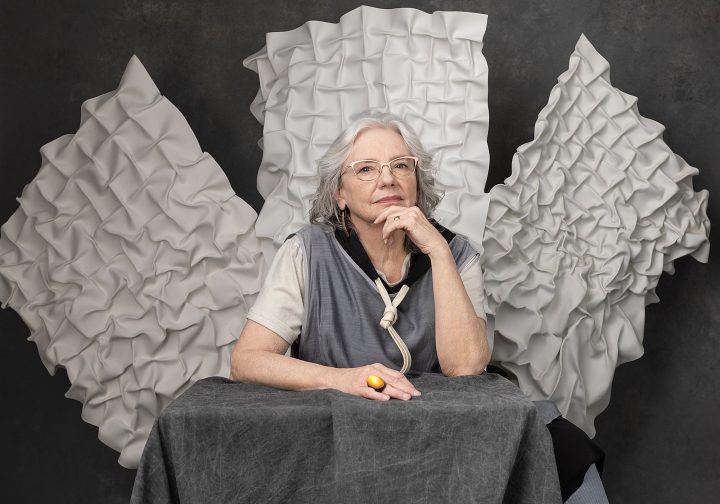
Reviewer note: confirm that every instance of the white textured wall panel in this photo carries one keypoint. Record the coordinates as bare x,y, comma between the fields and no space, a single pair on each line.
131,260
596,208
426,68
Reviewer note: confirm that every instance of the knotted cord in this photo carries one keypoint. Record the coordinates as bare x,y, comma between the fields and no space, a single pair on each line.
390,316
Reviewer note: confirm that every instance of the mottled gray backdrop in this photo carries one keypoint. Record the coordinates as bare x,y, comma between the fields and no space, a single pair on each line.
661,430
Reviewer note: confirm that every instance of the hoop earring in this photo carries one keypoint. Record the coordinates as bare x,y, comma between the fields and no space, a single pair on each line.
343,224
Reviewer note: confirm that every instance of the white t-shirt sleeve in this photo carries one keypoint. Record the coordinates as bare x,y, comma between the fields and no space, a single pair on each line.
280,304
472,277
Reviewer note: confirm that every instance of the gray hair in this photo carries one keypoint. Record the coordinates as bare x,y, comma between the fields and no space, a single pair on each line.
324,208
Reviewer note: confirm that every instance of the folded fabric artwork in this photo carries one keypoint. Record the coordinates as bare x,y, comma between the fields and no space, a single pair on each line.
596,208
426,68
131,260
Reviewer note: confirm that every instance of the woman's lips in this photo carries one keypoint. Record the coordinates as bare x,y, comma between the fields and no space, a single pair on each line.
389,199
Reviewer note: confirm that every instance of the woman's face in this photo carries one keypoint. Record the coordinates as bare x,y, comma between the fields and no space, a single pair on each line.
367,199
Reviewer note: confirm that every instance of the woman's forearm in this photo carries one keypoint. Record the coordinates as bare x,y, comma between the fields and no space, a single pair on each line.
259,357
279,371
460,339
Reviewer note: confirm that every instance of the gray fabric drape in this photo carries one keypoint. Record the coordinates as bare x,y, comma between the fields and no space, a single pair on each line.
467,439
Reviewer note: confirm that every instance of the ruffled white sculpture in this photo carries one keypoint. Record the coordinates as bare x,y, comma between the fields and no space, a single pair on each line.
426,68
131,260
596,208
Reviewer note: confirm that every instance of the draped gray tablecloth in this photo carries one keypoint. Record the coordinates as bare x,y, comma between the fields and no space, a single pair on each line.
466,439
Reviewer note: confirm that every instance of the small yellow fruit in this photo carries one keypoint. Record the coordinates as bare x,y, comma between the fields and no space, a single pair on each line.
376,382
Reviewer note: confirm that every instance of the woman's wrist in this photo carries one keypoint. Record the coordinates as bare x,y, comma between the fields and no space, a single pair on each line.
441,252
327,377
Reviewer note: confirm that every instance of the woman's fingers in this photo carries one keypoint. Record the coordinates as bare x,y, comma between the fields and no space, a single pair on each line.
369,393
397,386
397,217
393,210
414,224
389,392
397,393
395,382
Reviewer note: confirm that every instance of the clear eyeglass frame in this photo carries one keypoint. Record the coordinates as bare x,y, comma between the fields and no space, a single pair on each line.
370,169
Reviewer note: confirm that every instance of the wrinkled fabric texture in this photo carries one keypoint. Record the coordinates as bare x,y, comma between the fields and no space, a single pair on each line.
596,208
467,439
426,68
131,260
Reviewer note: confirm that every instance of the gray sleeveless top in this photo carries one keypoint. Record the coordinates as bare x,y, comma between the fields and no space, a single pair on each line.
343,309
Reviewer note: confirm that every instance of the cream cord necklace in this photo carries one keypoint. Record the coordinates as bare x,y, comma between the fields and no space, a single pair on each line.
390,316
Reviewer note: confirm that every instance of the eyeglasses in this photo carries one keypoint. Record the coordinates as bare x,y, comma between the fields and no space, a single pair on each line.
369,169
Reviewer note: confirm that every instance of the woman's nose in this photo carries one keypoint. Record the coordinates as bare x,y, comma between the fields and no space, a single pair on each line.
386,177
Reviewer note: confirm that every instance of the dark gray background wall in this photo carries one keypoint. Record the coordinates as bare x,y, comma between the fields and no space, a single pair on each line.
661,429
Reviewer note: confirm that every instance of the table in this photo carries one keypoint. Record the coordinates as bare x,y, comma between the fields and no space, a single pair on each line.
465,439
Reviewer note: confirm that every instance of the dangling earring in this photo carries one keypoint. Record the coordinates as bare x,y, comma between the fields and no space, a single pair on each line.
343,224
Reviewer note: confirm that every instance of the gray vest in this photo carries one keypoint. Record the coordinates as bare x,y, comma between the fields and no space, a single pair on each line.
343,310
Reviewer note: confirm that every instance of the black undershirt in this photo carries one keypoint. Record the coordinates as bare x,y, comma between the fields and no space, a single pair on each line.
419,262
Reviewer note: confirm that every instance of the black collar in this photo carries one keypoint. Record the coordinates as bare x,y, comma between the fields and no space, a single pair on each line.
419,262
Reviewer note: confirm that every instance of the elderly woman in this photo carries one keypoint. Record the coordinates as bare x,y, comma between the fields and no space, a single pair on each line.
372,287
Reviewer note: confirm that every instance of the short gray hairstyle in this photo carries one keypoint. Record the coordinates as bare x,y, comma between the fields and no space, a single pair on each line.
324,208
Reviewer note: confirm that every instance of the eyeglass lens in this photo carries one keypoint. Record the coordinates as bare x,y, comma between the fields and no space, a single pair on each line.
370,170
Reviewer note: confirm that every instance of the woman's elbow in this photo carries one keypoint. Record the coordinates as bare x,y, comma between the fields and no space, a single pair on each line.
464,371
484,361
471,367
236,365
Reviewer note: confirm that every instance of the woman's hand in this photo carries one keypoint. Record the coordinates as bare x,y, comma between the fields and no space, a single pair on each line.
354,381
418,228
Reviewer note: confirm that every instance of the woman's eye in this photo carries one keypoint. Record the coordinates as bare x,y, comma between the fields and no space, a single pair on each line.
365,169
401,166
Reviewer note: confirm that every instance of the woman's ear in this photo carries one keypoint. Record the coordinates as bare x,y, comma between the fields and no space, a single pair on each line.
340,200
